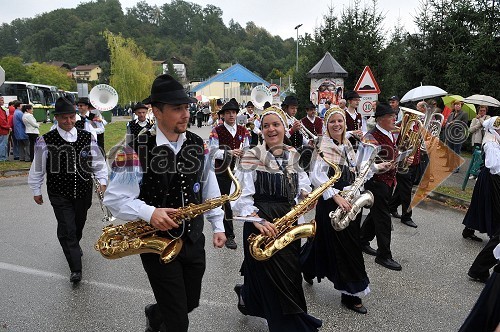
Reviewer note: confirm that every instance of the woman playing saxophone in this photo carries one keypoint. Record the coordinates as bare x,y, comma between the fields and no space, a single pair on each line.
271,182
336,255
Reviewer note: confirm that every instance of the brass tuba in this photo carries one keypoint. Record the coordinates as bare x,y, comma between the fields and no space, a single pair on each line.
409,137
262,247
138,237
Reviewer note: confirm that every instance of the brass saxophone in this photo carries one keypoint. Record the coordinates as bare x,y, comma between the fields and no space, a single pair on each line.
340,219
262,247
138,237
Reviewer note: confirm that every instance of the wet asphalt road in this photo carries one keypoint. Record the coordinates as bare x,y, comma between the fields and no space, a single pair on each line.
431,293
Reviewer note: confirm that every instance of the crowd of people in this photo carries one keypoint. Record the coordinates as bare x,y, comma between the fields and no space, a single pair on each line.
279,163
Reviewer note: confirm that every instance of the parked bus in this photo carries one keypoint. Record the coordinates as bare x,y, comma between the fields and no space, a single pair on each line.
26,93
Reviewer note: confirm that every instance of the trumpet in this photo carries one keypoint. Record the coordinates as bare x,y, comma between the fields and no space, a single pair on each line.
108,217
303,130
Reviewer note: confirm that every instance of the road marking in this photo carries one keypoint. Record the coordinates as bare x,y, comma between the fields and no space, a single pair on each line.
51,275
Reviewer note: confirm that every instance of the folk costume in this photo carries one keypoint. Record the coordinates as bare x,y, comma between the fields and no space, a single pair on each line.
134,127
272,288
332,254
68,158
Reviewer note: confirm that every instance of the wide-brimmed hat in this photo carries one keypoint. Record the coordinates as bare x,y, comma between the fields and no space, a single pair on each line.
351,95
64,106
231,105
139,106
167,90
383,109
290,100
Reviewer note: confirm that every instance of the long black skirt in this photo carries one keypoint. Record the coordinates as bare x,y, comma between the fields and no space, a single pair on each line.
483,214
485,315
335,255
273,288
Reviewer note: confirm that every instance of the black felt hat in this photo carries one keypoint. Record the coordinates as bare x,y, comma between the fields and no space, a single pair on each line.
383,109
310,105
84,100
249,104
231,105
351,95
267,104
64,106
219,102
167,90
147,100
290,100
139,106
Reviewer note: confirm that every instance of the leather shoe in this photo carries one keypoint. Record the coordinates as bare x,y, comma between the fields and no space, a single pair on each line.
231,244
410,223
395,214
354,307
477,277
153,323
473,237
388,263
241,307
75,277
369,250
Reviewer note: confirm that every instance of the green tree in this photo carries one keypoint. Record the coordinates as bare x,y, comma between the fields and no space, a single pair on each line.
131,70
42,73
205,63
14,69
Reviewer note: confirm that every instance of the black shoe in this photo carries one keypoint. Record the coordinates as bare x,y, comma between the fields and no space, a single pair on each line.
75,277
395,214
355,307
241,307
231,244
81,252
410,223
473,237
478,278
153,323
308,280
369,250
388,263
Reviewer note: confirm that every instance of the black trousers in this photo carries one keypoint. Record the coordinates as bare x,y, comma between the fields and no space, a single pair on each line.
378,221
485,259
177,285
225,187
100,143
402,193
71,214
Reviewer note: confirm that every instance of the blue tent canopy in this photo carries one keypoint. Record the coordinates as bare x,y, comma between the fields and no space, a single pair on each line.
235,73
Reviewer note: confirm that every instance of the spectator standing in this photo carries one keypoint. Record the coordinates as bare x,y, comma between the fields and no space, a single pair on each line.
456,132
15,144
4,131
31,128
20,134
476,126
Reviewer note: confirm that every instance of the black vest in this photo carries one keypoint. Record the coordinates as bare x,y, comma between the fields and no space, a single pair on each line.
171,180
135,128
69,165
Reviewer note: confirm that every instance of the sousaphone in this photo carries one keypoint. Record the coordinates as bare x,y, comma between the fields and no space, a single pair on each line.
103,97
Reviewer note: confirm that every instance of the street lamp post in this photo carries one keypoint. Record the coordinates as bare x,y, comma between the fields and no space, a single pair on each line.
297,63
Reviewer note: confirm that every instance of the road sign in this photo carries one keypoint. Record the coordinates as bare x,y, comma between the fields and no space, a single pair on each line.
275,89
365,107
2,75
367,83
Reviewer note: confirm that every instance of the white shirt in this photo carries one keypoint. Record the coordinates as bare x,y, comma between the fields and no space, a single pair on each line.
492,157
121,196
214,142
38,167
363,128
30,123
385,132
98,125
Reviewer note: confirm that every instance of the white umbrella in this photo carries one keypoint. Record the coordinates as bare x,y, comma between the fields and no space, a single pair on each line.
482,100
423,92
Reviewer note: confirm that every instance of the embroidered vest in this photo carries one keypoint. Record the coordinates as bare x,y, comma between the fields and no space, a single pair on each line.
228,142
388,153
135,127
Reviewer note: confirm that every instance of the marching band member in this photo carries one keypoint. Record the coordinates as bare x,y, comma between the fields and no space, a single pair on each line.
290,105
134,127
234,139
378,221
215,119
336,255
271,182
484,210
161,172
355,123
312,122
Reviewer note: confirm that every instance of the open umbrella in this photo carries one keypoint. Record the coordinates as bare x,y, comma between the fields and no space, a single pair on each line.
482,100
468,108
423,92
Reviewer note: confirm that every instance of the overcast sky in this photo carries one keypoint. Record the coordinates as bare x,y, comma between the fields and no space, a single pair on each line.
277,17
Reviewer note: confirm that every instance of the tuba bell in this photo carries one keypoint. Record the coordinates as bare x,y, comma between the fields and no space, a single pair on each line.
409,136
103,97
260,94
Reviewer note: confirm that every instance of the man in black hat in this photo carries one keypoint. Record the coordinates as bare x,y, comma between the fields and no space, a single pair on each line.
355,123
394,103
161,171
70,156
251,115
290,105
84,118
378,221
214,120
134,127
312,122
231,138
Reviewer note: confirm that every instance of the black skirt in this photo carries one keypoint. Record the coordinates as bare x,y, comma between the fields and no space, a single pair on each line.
273,288
335,255
483,214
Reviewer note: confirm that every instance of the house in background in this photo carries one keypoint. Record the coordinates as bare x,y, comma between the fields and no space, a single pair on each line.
179,67
87,73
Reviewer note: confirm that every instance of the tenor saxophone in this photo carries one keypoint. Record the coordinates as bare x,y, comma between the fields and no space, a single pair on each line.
262,247
138,237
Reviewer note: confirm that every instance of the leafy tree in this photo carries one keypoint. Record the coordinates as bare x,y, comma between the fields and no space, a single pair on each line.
206,63
14,69
42,73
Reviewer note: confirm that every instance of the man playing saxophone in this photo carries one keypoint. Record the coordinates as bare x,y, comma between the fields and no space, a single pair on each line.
271,182
160,172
